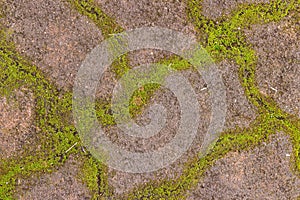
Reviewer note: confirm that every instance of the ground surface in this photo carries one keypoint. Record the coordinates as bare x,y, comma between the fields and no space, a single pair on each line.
258,153
262,173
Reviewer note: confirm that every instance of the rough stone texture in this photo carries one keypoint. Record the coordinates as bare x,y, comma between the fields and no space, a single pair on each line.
133,14
278,71
261,173
217,8
143,13
146,56
240,112
61,184
138,13
54,36
16,122
57,39
122,181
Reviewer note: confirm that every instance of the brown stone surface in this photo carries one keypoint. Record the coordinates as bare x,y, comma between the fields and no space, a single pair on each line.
278,71
54,36
138,13
240,113
122,181
133,14
16,122
61,184
57,38
261,173
217,8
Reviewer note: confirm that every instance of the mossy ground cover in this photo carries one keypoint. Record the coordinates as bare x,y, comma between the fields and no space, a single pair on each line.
56,133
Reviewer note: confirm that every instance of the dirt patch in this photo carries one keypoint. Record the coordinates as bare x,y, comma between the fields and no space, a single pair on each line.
278,72
61,184
53,35
261,173
217,8
16,122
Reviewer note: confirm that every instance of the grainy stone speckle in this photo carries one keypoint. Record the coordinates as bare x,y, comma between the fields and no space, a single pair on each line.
214,9
16,122
55,37
261,173
132,14
278,71
63,183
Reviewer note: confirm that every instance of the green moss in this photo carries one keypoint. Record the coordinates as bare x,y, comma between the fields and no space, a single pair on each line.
57,134
88,8
89,175
292,127
106,24
93,175
53,110
104,113
121,65
141,97
226,41
55,131
232,140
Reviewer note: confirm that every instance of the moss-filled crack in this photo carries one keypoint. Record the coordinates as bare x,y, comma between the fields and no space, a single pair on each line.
56,132
226,41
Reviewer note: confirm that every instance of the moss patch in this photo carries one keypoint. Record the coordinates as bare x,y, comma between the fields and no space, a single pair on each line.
226,40
56,133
